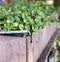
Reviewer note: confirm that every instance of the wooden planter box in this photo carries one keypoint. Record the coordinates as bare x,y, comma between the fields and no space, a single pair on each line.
20,49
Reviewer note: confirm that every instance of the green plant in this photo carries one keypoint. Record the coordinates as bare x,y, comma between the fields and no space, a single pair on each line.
58,47
25,16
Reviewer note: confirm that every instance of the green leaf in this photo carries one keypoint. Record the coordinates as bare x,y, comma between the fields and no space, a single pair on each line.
15,24
21,27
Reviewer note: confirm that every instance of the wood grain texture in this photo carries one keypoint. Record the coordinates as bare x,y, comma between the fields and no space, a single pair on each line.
40,39
47,48
12,49
20,49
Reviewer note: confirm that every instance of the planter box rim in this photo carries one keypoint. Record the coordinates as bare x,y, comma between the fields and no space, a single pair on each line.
14,32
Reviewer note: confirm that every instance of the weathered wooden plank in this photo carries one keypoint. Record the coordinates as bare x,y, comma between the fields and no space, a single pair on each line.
39,41
12,49
19,49
47,48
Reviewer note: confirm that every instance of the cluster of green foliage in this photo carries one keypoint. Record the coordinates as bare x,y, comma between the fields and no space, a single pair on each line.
58,48
25,15
11,1
58,39
59,18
